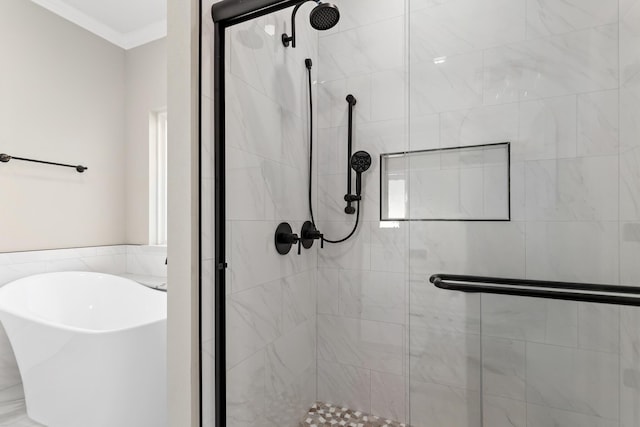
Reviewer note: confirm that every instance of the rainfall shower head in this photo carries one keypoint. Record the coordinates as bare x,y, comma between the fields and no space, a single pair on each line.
323,17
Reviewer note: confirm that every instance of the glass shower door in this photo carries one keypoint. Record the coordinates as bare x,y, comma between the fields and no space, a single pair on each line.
559,81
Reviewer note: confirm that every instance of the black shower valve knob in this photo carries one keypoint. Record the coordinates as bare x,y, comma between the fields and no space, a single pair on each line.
309,234
285,238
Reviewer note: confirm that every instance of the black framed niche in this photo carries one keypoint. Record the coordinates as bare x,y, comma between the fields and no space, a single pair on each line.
467,183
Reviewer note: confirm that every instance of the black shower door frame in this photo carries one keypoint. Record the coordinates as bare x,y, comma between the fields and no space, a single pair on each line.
225,14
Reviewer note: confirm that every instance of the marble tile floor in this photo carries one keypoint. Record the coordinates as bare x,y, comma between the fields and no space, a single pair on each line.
327,415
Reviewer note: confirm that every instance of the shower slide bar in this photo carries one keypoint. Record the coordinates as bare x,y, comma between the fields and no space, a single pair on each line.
568,291
4,158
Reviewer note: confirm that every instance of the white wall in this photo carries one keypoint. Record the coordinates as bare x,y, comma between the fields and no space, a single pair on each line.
146,91
62,100
183,214
72,97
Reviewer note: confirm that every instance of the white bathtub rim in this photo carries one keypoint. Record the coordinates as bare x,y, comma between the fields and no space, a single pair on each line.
56,324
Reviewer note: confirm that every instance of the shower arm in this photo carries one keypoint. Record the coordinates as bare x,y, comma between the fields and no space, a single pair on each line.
350,198
286,39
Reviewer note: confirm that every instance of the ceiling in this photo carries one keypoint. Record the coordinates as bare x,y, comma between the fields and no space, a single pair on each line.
126,23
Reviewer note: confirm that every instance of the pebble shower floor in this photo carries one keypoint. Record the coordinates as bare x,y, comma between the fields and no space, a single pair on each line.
326,415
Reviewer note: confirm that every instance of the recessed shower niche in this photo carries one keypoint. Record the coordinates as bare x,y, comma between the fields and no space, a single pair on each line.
446,184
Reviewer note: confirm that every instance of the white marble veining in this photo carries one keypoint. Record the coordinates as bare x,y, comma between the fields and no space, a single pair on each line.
455,84
446,358
467,248
362,343
388,247
353,254
349,385
246,392
388,95
572,189
447,28
328,291
440,405
501,412
629,366
629,252
573,251
111,259
388,396
581,381
503,367
598,123
530,319
332,104
581,61
543,416
372,295
147,260
358,13
599,327
290,380
630,185
482,125
362,50
254,259
547,129
546,17
629,37
254,320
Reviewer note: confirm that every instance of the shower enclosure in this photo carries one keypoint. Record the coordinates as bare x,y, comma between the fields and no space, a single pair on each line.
505,144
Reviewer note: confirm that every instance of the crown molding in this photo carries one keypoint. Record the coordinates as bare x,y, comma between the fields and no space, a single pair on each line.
126,41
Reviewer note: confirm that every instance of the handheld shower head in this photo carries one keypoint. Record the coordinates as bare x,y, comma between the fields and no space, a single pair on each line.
360,162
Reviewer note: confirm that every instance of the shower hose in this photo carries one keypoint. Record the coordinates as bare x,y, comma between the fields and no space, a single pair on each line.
355,226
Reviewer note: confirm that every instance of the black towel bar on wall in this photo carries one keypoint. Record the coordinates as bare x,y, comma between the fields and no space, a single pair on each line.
4,158
568,291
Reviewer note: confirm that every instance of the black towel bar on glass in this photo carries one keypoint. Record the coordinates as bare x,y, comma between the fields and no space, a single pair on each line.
569,291
4,158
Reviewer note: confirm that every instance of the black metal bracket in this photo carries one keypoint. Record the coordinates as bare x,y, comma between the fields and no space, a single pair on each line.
5,158
350,198
290,40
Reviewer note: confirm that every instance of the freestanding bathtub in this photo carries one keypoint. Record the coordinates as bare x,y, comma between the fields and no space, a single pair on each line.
91,349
